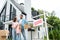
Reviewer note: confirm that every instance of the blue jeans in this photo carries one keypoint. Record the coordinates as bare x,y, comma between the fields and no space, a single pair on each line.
23,33
13,34
18,37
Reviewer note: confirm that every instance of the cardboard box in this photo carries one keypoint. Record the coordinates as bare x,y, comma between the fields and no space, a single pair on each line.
26,26
3,34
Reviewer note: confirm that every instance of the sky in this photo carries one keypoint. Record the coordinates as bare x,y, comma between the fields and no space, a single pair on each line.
48,5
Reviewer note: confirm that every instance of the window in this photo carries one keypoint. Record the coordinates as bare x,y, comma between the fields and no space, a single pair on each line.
10,17
3,16
3,13
12,12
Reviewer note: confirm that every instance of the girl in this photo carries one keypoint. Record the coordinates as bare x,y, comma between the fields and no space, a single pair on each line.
15,30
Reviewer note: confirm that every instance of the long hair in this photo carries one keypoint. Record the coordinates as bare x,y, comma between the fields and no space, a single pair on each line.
14,20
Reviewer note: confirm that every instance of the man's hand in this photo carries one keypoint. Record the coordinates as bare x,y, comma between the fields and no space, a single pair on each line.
26,26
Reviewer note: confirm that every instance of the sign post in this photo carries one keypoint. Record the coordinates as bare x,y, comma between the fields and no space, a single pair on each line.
38,22
46,26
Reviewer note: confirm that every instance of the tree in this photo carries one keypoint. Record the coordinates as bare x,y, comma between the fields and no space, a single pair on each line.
53,13
40,11
32,9
55,22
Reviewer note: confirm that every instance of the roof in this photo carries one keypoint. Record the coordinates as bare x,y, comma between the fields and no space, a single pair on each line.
3,8
21,8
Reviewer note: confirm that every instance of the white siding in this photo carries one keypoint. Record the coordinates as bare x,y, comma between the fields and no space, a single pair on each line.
27,9
2,3
16,1
7,14
18,13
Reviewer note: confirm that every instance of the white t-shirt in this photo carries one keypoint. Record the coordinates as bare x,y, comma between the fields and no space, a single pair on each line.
20,22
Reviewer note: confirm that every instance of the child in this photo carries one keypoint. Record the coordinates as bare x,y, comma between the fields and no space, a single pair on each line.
16,30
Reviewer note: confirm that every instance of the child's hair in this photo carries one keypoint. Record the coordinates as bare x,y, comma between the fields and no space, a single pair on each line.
14,20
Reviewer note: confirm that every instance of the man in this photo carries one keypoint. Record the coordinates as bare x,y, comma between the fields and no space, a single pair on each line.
22,22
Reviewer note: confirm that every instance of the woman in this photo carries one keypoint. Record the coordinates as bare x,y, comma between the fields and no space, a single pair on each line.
16,30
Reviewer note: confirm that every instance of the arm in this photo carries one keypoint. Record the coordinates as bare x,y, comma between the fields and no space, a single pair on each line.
8,22
26,24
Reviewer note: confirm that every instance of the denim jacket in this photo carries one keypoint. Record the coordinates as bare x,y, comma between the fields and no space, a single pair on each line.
23,23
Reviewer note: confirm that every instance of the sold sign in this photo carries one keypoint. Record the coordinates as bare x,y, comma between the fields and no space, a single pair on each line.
38,22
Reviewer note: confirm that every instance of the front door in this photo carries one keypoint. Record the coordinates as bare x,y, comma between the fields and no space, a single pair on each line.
10,30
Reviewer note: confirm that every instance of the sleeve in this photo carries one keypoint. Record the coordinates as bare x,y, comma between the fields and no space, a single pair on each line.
26,22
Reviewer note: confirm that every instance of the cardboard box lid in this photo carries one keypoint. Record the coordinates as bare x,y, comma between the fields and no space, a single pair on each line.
26,26
4,32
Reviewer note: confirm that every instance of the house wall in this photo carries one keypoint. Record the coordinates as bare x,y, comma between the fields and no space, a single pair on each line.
2,2
27,9
16,1
7,14
2,15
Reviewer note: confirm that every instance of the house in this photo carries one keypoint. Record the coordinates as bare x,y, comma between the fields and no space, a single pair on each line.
11,8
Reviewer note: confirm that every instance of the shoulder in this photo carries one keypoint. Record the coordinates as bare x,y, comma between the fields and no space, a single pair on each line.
24,19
